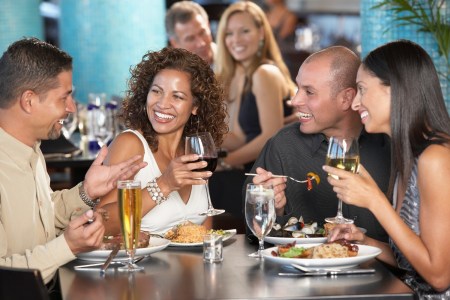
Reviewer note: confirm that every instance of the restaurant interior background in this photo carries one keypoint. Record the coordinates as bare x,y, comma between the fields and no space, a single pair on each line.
106,38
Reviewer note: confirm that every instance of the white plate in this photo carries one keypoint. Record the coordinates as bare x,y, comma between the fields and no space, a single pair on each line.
365,253
229,234
285,240
156,244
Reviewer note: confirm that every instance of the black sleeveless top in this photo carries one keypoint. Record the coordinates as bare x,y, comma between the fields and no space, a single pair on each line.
249,120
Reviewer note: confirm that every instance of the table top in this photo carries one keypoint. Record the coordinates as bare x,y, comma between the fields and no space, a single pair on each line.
180,273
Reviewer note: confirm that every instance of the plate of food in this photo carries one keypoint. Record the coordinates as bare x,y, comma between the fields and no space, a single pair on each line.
338,254
296,230
146,245
300,240
191,235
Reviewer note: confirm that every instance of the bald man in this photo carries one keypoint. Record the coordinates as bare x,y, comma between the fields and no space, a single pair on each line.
326,88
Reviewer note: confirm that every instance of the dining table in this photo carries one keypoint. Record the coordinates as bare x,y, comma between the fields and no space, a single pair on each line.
180,273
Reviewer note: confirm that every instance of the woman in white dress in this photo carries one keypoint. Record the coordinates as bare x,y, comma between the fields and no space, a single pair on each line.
172,93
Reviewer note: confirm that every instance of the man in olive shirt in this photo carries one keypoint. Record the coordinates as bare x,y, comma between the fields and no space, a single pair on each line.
326,88
40,228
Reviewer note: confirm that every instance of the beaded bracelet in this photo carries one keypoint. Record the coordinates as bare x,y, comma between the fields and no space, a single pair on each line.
155,192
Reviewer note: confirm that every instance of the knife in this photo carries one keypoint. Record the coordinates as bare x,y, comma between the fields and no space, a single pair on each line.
331,273
111,256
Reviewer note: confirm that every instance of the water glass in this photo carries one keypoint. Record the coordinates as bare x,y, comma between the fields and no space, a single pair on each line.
260,212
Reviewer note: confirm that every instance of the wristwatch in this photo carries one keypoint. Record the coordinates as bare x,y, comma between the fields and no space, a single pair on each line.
88,201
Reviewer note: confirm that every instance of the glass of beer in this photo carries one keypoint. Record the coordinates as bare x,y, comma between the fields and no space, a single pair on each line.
130,210
343,153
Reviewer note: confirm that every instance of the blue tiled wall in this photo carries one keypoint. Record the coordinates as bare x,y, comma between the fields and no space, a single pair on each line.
374,23
106,38
19,18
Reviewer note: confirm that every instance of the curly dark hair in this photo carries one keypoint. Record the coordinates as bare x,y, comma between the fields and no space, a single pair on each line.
206,90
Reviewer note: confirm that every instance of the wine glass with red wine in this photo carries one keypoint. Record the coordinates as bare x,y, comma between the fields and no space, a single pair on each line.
202,143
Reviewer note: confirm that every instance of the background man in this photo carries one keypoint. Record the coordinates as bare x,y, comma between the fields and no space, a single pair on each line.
187,26
326,87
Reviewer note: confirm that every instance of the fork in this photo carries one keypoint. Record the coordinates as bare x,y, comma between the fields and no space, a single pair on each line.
309,270
281,176
87,267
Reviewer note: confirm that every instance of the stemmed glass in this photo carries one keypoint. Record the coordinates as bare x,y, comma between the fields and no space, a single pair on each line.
70,123
202,144
130,213
103,126
343,153
259,212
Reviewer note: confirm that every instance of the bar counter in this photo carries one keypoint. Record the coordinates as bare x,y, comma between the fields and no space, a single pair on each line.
180,273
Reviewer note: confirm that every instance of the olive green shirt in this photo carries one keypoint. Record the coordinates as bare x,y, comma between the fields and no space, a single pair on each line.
32,216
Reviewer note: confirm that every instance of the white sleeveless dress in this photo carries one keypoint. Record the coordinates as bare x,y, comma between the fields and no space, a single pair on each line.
173,211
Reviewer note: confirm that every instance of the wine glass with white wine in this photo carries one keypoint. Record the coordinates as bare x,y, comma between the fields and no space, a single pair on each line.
130,214
260,212
343,153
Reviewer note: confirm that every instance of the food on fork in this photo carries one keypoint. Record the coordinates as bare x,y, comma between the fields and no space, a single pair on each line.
110,241
310,177
336,249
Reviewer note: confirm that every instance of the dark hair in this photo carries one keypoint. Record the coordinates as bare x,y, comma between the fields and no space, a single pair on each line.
207,92
182,12
30,64
418,113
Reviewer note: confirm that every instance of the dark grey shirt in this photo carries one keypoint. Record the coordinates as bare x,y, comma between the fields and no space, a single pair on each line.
293,153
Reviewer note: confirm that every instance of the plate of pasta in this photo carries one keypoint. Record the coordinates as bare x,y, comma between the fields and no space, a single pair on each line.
305,255
191,235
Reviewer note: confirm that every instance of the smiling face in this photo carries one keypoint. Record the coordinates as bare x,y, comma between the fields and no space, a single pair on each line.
53,107
314,102
242,37
170,101
194,36
373,102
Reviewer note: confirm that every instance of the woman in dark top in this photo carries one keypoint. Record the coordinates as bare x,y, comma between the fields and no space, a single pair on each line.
399,94
249,63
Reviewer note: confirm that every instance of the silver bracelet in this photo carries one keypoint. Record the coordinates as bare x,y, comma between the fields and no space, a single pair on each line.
155,192
88,201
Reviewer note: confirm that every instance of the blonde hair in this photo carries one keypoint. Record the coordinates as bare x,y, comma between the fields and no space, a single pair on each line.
225,65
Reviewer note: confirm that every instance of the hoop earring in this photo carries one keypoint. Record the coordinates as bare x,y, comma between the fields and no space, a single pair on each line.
260,47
